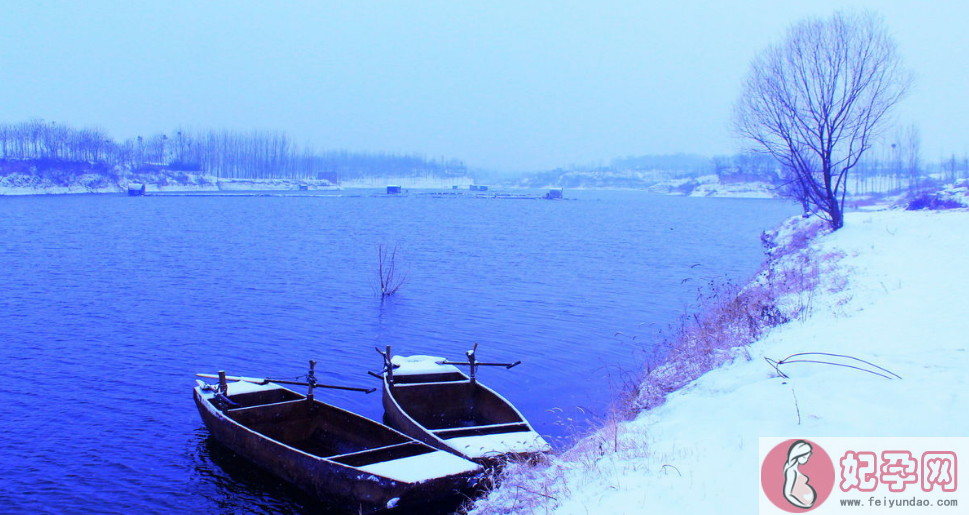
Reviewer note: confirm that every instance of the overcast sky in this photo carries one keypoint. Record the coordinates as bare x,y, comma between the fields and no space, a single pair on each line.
519,85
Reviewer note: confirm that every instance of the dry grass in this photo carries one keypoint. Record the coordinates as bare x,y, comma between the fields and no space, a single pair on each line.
529,486
731,318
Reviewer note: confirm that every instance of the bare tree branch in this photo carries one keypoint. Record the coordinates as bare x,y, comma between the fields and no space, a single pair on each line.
816,101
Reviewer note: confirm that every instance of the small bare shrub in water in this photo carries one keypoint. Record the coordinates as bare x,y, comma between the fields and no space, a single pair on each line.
389,274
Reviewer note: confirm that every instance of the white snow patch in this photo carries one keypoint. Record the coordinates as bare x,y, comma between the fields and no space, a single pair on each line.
484,446
247,385
711,186
415,365
240,387
423,467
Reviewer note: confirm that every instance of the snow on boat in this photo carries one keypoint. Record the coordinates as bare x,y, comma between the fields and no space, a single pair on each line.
344,459
433,401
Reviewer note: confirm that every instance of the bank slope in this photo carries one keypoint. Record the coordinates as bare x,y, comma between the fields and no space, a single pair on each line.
895,296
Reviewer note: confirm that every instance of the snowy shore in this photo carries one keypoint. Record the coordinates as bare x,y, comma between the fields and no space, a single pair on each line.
19,184
891,290
23,184
712,186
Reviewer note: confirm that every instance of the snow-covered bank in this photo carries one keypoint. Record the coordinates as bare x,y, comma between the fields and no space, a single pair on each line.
713,186
28,184
892,291
22,184
267,185
654,181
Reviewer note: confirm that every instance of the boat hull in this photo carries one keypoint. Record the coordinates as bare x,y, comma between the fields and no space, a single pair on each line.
342,486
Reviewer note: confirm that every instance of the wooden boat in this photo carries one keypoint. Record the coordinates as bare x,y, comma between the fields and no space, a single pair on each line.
344,459
433,401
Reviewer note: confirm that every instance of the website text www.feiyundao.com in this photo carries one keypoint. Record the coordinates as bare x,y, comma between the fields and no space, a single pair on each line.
881,475
914,502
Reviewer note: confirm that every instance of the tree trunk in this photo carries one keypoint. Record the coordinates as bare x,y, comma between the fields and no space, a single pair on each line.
837,216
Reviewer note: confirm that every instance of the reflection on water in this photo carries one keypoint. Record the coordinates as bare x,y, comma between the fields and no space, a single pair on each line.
239,487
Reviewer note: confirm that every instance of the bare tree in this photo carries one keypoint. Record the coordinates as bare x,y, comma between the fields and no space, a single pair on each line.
816,102
949,169
910,156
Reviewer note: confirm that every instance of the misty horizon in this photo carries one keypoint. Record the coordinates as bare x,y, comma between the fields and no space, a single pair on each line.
503,87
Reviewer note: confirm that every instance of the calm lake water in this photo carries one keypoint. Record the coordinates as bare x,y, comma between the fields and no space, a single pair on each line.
111,304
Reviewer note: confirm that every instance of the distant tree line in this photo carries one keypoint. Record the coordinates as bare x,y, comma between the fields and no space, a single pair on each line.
746,167
222,153
896,167
638,172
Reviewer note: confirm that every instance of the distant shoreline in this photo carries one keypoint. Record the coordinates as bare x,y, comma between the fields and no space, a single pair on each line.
29,185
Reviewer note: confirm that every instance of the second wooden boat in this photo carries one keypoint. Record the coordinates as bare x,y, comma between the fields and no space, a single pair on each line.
431,400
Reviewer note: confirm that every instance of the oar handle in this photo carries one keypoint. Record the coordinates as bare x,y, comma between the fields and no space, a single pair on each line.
480,364
320,385
349,388
256,380
266,380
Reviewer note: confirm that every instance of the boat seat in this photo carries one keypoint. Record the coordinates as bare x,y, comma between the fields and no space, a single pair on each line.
486,429
377,454
262,407
249,394
450,381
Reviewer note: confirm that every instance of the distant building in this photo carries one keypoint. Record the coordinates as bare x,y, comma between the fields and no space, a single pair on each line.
554,193
137,190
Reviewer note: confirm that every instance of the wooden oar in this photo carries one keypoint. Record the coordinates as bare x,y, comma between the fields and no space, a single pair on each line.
479,364
474,363
266,380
